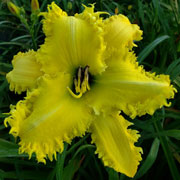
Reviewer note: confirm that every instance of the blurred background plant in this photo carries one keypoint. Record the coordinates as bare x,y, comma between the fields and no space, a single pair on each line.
159,51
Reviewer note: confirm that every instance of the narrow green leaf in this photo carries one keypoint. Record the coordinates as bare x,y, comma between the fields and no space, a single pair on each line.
82,148
72,168
168,154
60,163
151,157
74,146
7,144
11,43
175,133
5,22
24,174
176,72
141,13
20,38
177,81
148,49
9,149
3,115
112,174
108,8
172,66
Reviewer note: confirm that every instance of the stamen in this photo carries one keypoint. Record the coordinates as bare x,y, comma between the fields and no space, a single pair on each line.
86,77
74,95
81,82
78,88
85,85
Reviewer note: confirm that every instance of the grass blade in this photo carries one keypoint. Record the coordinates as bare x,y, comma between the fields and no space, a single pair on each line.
149,160
148,49
60,163
167,151
9,149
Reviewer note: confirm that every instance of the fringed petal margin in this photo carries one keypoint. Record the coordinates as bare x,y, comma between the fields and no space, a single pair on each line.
74,42
26,70
115,143
47,117
92,17
54,12
120,32
19,112
128,87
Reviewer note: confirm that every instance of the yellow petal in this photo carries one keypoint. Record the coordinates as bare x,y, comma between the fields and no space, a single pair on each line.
128,87
25,72
120,32
47,117
115,143
73,42
54,12
92,17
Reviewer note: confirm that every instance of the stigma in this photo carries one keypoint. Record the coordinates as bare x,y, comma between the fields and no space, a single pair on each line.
81,82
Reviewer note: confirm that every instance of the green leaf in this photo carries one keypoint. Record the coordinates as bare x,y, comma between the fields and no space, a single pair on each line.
71,168
20,38
148,49
9,149
82,148
177,81
4,67
11,43
24,174
141,14
112,174
171,67
175,133
151,157
60,163
167,152
74,146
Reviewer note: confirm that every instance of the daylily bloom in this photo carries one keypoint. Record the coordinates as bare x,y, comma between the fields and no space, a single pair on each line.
80,80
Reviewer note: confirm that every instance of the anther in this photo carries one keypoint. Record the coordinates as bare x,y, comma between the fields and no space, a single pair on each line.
78,88
81,82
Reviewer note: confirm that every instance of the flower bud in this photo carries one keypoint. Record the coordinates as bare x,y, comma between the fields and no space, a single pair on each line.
116,10
130,7
69,5
13,8
34,5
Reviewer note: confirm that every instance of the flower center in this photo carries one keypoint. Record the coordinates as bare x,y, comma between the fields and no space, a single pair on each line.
81,82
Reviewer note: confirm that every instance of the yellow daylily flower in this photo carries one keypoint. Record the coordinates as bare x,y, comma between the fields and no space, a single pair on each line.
80,80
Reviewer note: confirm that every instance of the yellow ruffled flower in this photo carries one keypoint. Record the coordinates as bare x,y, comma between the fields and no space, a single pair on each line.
81,79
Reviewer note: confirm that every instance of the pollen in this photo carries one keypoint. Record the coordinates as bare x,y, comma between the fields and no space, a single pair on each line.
81,82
